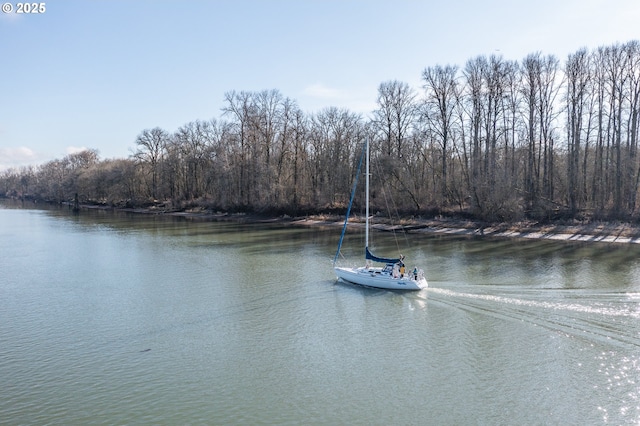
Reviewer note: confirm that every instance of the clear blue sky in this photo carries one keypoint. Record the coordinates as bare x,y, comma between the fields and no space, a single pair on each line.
96,73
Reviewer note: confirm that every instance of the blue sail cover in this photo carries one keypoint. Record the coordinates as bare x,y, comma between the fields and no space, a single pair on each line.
370,256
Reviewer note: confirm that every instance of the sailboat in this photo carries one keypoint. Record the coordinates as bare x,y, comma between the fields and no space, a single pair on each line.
392,275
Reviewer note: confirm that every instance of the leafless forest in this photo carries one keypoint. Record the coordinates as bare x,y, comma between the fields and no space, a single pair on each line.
496,140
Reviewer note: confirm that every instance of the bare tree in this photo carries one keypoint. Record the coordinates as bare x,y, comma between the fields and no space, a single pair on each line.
633,69
241,108
333,135
151,147
395,115
540,89
441,100
578,75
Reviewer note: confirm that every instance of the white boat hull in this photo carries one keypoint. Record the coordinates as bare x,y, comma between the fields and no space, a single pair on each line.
377,278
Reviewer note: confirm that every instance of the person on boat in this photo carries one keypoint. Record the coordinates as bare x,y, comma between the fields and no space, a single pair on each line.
396,270
415,273
401,265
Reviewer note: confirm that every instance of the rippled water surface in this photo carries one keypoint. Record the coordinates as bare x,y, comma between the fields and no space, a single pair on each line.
110,318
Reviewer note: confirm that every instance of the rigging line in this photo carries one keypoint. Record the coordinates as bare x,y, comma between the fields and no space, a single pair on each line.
386,201
399,220
390,212
353,193
404,229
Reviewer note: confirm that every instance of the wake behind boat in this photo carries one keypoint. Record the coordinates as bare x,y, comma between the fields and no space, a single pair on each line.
391,276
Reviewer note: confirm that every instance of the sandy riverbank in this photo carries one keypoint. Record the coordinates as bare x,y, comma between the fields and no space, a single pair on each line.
621,233
603,232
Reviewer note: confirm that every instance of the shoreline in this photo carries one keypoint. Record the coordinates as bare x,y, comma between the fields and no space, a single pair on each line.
599,232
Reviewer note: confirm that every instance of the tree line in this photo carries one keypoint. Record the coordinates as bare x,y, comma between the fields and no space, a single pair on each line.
496,139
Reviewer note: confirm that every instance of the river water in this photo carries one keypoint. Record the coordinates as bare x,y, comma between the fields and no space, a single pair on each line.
111,318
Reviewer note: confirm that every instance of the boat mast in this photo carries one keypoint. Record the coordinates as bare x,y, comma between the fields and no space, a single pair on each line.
366,234
353,196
